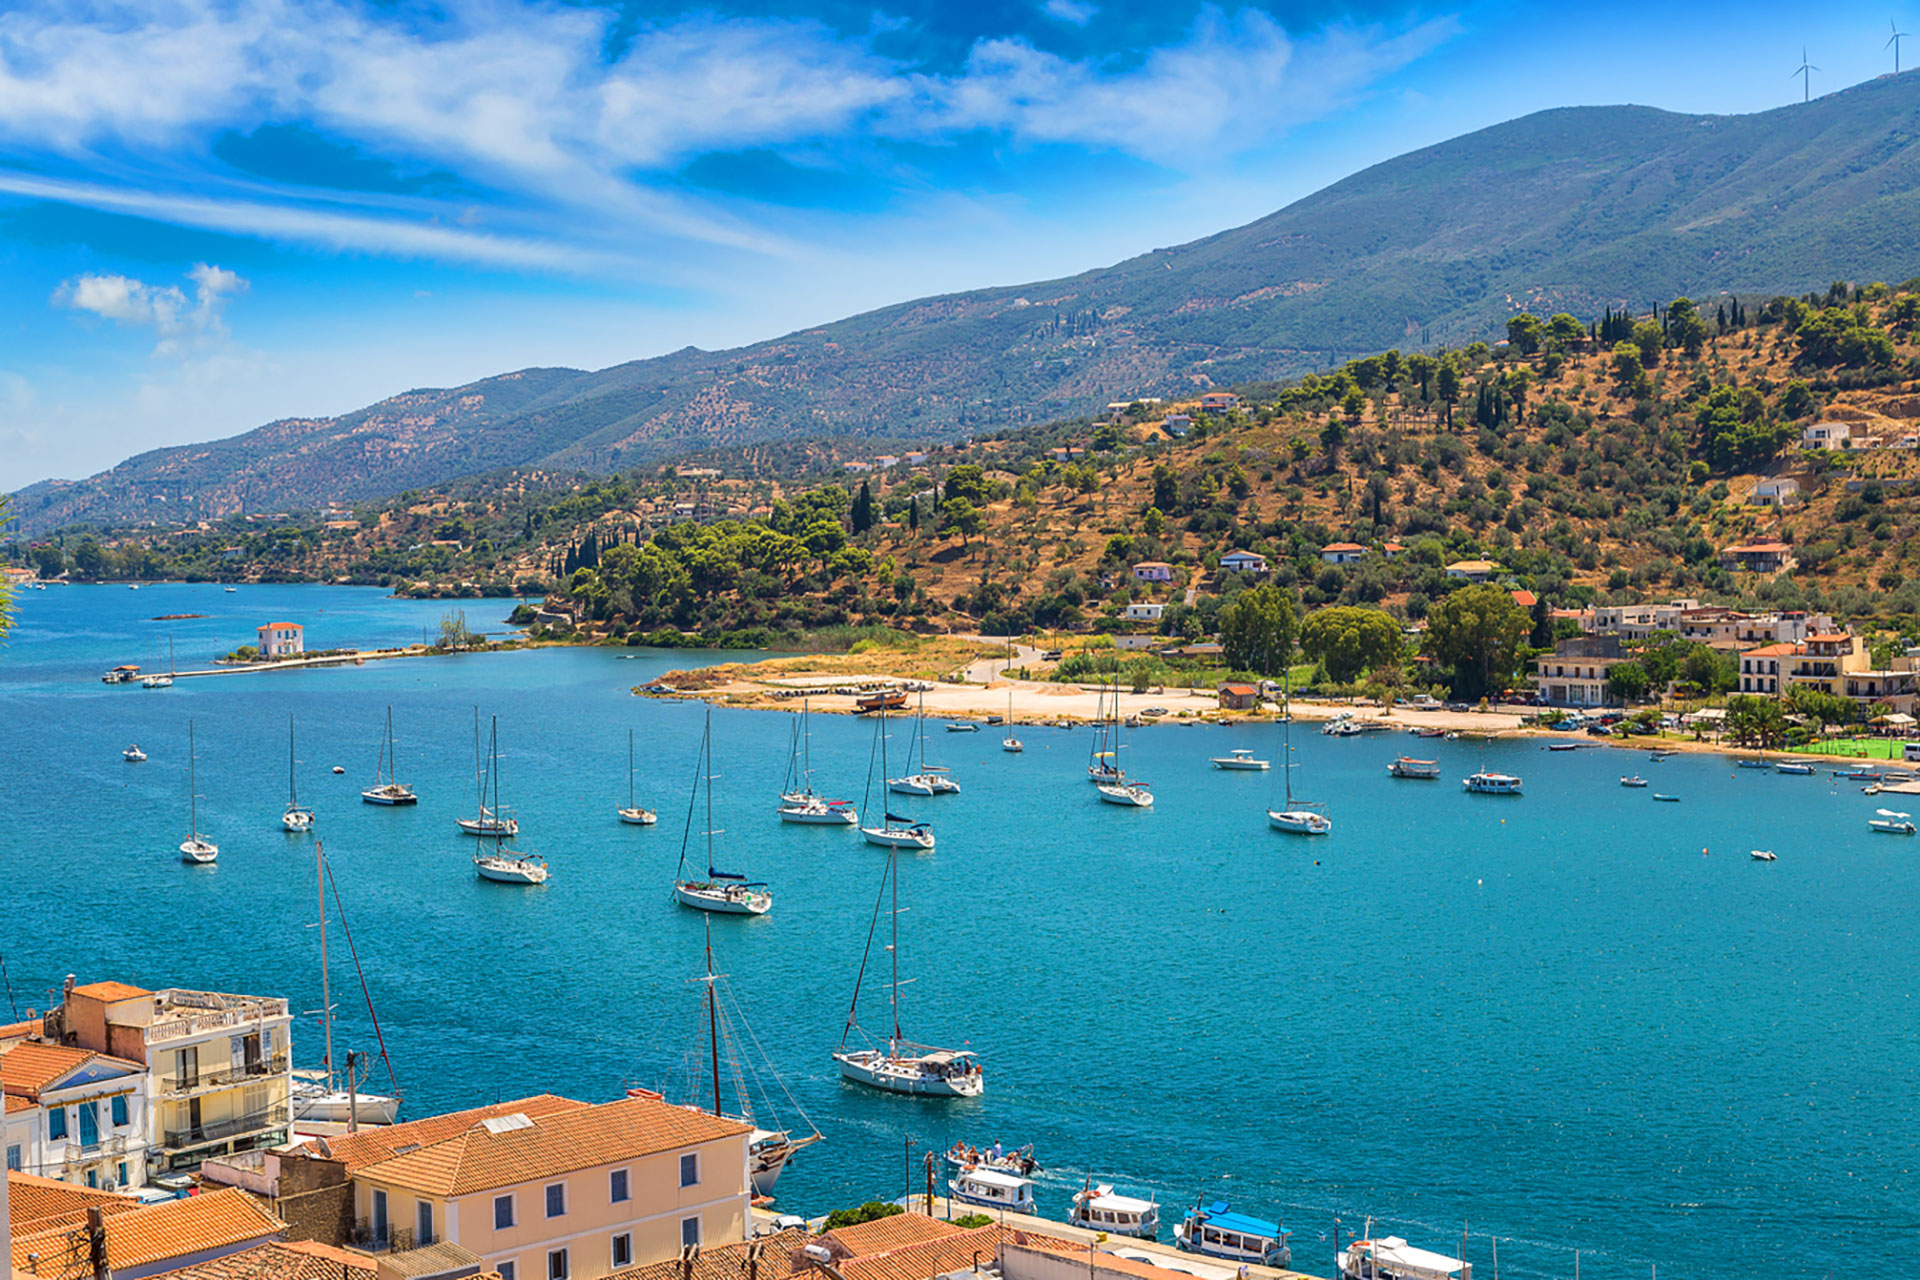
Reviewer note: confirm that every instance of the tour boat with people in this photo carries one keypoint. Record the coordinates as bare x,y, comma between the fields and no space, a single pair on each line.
1297,817
387,789
1239,758
1218,1232
1097,1208
901,1066
1391,1258
1019,1160
1492,784
1408,767
1890,822
722,891
992,1189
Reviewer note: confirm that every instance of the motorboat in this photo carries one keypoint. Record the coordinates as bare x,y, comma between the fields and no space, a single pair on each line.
991,1189
126,673
1753,764
1662,755
1019,1161
722,892
1218,1232
1427,733
634,815
1391,1258
196,849
901,1066
1135,794
296,817
1240,758
1798,770
134,755
816,811
387,789
1097,1208
1763,855
962,726
1408,767
1892,823
1634,781
1492,784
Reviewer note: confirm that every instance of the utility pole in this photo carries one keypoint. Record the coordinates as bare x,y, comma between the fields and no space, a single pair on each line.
97,1244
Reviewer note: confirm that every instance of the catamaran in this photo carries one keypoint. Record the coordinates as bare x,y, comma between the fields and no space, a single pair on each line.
894,831
387,789
196,848
931,779
1119,790
902,1067
721,891
316,1095
490,822
504,865
298,817
633,815
1300,817
1011,743
801,804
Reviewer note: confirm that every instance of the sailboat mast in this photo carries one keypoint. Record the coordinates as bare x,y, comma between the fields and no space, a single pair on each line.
806,746
493,768
1286,735
479,778
629,768
326,990
713,1020
293,794
706,753
193,787
893,869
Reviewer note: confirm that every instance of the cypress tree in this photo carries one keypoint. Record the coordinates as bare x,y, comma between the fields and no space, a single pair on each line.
913,514
863,509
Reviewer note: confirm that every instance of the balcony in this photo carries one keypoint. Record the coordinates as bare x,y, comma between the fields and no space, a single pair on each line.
184,1014
177,1086
220,1131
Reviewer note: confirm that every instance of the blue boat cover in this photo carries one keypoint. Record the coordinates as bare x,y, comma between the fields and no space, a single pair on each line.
1220,1220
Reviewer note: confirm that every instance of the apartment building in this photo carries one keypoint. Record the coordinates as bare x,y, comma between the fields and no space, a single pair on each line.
1575,673
218,1064
574,1194
75,1115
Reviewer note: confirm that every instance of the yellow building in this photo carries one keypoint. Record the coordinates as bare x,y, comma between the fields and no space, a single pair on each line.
572,1195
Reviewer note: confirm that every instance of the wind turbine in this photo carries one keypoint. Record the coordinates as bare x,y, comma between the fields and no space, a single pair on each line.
1805,72
1894,40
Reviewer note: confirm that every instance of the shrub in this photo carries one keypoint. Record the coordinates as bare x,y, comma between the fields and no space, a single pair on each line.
867,1212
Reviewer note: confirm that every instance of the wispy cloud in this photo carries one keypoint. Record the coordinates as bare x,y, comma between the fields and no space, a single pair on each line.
1078,12
182,323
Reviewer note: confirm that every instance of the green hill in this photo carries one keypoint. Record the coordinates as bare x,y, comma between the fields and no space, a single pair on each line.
1566,210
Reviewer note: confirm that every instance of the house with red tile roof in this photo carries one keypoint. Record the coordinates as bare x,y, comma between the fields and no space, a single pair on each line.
75,1115
152,1240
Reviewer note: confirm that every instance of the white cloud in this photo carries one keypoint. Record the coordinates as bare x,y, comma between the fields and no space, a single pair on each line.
1078,12
181,323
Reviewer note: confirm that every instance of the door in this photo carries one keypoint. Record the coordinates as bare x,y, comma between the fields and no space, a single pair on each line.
379,1214
193,1119
89,1124
251,1048
189,1067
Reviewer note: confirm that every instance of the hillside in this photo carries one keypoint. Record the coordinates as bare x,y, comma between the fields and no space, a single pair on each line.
1568,210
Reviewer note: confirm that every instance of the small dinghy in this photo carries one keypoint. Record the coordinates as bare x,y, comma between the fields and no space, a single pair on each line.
1664,798
1763,855
1892,823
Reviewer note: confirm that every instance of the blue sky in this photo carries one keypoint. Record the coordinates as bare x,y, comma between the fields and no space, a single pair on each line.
214,213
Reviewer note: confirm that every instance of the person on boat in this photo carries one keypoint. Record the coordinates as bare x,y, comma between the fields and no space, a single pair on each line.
996,1150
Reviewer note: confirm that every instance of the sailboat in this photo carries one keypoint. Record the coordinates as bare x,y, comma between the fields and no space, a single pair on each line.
802,805
894,831
316,1095
387,788
903,1067
1103,762
1119,790
769,1150
721,891
157,681
932,779
196,848
633,814
1011,743
504,865
1300,817
490,822
297,817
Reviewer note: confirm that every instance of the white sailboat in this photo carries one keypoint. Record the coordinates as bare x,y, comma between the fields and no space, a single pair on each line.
633,815
893,831
903,1067
1011,743
316,1095
931,779
196,848
1103,762
157,681
1119,790
387,789
722,891
504,865
802,804
1298,817
134,755
491,822
298,817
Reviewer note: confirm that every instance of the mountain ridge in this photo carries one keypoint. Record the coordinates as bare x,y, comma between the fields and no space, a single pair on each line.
1570,209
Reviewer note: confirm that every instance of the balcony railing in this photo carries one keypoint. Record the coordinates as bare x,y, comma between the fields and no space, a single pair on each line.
394,1239
189,1014
222,1077
219,1131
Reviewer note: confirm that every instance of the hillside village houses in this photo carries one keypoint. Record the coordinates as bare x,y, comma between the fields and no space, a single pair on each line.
1342,552
1153,571
1473,570
1219,402
73,1114
1828,435
1243,562
1776,493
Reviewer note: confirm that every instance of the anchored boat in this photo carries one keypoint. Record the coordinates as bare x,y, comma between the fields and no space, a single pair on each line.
1408,767
1238,758
894,831
504,865
633,815
1298,817
992,1189
387,789
1492,784
722,891
803,806
196,848
1890,822
297,817
1218,1232
1099,1209
1391,1258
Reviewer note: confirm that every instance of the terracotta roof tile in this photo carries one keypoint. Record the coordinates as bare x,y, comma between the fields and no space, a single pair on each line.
883,1234
30,1066
111,991
728,1261
1105,1261
479,1160
281,1260
1780,650
40,1204
199,1224
19,1030
370,1146
929,1257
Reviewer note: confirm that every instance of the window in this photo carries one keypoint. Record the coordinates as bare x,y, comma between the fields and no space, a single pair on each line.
502,1212
123,1173
690,1169
689,1231
119,1110
13,1157
57,1123
423,1223
623,1250
505,1269
617,1186
556,1200
93,1177
557,1264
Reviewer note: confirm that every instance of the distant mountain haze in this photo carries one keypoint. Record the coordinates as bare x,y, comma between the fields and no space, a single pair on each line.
1564,210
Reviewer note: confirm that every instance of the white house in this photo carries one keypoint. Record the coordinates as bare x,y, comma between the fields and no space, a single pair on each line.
1243,562
75,1115
281,639
1828,435
1342,552
1145,612
1219,402
1177,424
1153,571
1472,570
1776,493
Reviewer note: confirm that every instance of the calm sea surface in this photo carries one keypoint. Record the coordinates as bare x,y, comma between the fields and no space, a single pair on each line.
1575,1020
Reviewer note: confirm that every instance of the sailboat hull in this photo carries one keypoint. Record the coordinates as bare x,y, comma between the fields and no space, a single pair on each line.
489,826
297,820
638,817
728,900
911,786
1300,822
316,1103
507,870
767,1156
389,795
1121,794
909,1076
897,838
199,852
820,815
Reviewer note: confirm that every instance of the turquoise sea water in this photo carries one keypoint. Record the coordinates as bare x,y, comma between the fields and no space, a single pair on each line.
1553,1018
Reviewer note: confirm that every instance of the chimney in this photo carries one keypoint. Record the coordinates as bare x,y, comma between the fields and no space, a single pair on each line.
66,988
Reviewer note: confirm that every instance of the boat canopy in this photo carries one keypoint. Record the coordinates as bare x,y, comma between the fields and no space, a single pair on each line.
947,1057
995,1178
1220,1219
1120,1204
1397,1254
905,822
